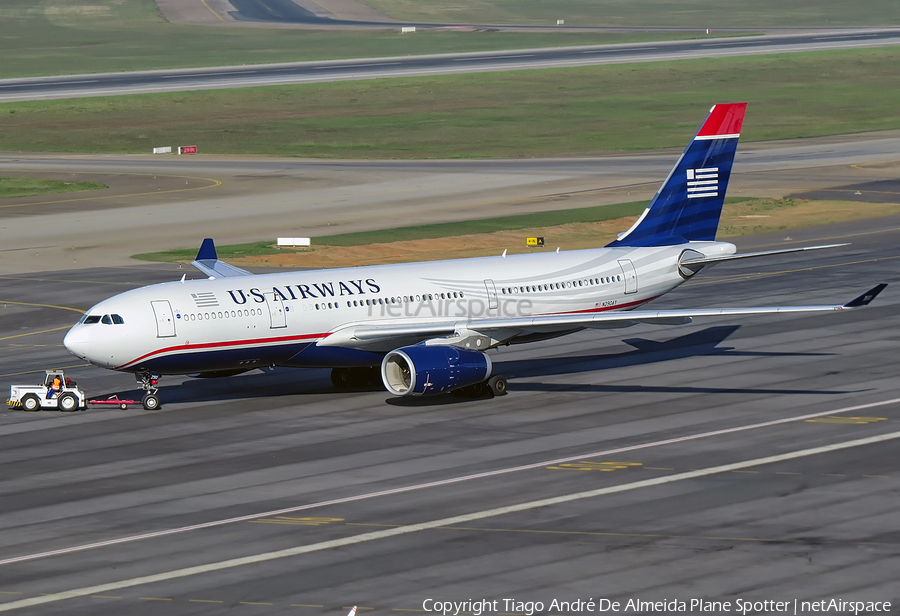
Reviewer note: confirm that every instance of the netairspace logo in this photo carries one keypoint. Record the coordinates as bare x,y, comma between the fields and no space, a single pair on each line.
477,607
465,308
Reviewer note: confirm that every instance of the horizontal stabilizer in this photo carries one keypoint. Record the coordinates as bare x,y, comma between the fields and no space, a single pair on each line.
207,261
750,255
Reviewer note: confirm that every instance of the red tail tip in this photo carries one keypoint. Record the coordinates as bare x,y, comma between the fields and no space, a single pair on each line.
724,119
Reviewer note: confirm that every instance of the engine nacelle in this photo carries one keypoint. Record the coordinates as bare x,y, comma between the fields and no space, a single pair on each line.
422,370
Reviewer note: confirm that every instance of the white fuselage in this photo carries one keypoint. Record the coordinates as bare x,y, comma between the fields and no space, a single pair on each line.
244,322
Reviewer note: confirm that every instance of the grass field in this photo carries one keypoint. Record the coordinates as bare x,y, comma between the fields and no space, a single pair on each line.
28,187
527,113
687,13
57,37
568,229
423,232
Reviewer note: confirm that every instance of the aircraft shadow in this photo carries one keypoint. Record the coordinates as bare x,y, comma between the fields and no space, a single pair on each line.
294,381
268,383
701,343
696,344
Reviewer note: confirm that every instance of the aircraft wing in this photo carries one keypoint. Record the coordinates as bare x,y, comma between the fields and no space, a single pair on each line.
378,337
208,262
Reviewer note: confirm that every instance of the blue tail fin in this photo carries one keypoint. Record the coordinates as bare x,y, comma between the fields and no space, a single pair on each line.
688,206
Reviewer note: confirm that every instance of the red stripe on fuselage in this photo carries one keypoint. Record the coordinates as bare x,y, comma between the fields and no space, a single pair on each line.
283,339
216,345
605,308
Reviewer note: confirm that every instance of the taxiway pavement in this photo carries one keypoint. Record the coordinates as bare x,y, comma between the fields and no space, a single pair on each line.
168,202
633,411
212,78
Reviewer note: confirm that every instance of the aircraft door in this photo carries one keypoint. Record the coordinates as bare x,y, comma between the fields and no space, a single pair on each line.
277,317
493,304
165,323
631,282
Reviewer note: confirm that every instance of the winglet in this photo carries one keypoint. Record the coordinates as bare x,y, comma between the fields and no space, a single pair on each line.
867,297
352,612
207,250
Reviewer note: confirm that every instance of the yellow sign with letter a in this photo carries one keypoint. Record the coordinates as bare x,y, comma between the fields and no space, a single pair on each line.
534,241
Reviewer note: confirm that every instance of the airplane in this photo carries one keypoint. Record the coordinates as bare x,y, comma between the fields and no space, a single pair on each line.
426,328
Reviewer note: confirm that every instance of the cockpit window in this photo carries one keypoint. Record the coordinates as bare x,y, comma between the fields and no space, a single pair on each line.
106,320
117,320
89,319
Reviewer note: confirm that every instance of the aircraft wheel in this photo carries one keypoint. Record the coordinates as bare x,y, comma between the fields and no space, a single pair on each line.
30,403
67,403
497,385
150,402
341,378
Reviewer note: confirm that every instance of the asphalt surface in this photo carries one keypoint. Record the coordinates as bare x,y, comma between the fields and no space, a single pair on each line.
111,84
819,523
882,191
593,411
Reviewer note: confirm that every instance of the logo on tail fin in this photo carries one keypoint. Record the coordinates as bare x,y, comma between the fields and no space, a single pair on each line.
703,182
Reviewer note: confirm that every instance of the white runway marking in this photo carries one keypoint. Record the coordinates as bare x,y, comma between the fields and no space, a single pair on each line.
414,528
443,482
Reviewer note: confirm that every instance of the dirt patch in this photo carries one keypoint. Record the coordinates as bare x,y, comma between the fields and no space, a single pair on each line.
219,12
347,10
738,219
196,12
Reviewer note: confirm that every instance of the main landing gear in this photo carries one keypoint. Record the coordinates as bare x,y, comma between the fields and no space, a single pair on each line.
494,386
149,382
351,378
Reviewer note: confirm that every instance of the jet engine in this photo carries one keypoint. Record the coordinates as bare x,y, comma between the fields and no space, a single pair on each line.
422,370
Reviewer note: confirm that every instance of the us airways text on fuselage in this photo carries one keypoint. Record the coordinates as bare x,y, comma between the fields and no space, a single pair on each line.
307,291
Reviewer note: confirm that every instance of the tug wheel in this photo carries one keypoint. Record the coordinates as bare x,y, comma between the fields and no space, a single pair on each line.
67,403
30,403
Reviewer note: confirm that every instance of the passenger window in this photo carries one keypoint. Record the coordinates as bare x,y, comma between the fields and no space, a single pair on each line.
106,320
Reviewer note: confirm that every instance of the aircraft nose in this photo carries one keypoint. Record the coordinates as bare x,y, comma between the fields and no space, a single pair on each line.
77,342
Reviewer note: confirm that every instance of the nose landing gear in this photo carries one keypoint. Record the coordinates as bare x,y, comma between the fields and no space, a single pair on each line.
149,382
